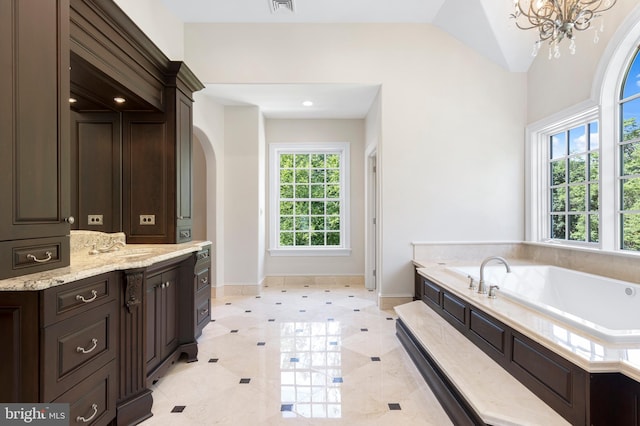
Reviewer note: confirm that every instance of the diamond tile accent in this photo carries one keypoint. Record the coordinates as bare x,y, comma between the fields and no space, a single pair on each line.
375,358
394,406
213,360
178,408
244,381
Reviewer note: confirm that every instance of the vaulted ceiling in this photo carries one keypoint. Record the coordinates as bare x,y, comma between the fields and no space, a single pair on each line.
483,25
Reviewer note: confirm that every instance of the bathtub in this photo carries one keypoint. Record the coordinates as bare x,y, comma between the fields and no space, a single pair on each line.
605,308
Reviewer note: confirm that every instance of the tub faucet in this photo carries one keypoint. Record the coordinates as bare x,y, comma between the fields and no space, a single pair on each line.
482,288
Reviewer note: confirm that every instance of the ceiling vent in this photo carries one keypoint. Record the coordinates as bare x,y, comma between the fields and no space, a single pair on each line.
277,5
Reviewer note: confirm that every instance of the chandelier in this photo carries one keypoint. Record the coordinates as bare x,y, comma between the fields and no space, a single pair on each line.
556,20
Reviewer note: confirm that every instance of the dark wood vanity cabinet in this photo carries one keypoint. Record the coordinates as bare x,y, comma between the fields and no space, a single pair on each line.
169,300
34,136
61,344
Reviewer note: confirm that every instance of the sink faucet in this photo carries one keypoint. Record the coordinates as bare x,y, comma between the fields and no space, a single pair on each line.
482,288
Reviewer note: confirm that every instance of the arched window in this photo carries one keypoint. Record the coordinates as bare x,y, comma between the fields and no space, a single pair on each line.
629,154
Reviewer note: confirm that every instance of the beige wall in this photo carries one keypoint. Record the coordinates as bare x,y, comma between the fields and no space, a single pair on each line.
352,131
450,153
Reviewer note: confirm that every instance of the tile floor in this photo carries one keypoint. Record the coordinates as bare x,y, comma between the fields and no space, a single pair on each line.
303,352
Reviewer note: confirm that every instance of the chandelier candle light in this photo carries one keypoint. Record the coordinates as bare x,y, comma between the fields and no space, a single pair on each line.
558,19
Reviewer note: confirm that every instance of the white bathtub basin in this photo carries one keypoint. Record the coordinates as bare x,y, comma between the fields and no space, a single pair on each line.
603,307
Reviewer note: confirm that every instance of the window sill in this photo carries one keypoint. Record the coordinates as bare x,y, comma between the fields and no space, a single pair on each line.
585,249
311,252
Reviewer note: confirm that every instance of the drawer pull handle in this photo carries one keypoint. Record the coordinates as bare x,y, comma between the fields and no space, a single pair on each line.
94,407
35,259
204,312
94,341
81,298
204,281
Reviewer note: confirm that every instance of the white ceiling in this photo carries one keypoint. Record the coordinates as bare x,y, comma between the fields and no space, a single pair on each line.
484,25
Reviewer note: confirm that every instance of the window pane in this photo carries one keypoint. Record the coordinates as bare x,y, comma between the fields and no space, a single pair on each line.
558,227
594,166
286,238
631,84
302,223
333,176
286,176
558,172
594,197
333,223
302,238
631,194
630,159
558,145
286,207
594,228
317,207
577,199
286,160
317,191
333,191
286,191
333,160
302,176
302,207
333,207
317,223
631,232
317,176
317,238
577,140
631,120
302,191
577,227
333,238
286,223
302,161
577,168
317,161
558,199
594,135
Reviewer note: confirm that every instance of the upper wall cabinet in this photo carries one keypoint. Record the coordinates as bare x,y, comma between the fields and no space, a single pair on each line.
110,53
34,136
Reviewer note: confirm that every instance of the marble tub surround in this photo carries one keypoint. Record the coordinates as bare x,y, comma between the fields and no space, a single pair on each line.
304,352
587,352
84,265
496,396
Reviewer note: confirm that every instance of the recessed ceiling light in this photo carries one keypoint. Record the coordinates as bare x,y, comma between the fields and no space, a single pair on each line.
119,100
72,100
307,103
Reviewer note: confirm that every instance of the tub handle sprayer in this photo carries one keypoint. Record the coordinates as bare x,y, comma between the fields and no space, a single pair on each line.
493,291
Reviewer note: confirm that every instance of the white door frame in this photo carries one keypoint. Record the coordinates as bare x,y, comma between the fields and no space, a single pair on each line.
371,219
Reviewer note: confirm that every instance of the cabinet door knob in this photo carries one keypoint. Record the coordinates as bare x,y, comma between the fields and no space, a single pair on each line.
70,220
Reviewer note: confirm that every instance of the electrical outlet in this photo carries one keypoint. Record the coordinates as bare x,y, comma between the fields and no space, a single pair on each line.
147,219
95,219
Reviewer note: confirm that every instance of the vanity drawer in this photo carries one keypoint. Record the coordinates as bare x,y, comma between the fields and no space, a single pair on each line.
93,401
203,309
203,257
489,330
431,292
29,256
202,279
76,347
64,301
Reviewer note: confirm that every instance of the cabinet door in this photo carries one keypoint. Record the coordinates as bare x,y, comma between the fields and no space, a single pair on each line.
184,164
153,305
34,118
169,313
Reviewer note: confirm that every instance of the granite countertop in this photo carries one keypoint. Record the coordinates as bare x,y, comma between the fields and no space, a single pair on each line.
587,352
84,265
